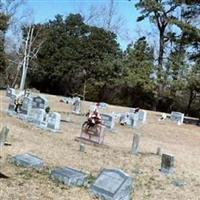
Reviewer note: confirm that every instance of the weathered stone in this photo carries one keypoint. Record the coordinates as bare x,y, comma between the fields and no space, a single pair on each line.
113,184
167,163
37,116
159,151
135,144
108,121
69,176
177,117
39,102
28,160
3,135
53,121
10,92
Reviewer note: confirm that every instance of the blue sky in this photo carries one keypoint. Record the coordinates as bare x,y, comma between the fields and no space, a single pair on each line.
43,10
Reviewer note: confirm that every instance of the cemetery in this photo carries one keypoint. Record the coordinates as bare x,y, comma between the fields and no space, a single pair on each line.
146,162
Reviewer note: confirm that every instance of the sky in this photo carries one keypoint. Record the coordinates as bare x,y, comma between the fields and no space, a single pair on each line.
43,10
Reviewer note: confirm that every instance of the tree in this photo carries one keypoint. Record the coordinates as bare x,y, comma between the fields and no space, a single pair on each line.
4,19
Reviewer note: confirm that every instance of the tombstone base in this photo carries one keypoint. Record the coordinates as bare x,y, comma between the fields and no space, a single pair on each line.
87,141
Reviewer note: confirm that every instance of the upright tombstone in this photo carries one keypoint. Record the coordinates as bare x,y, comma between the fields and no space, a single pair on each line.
142,116
10,92
11,106
133,120
53,121
135,144
3,137
28,160
69,176
26,106
37,116
94,135
167,163
39,102
76,106
108,121
177,117
113,184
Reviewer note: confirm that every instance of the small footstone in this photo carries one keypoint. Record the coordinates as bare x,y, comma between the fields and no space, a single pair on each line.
69,176
167,163
28,160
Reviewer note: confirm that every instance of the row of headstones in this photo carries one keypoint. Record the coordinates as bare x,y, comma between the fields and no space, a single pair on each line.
111,184
131,119
33,111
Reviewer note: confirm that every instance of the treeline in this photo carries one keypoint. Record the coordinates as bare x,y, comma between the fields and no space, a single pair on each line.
77,58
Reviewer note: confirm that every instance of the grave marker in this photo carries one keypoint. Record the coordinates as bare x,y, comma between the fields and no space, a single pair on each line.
37,116
39,102
108,121
113,184
167,163
177,117
28,160
69,176
53,121
10,92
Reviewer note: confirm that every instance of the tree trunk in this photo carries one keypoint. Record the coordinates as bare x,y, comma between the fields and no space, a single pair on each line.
191,98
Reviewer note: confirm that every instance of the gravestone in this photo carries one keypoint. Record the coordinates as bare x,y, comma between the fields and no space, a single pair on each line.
167,163
28,160
94,135
108,121
133,119
113,184
3,136
10,92
142,116
76,106
53,121
177,117
103,105
26,106
39,102
37,116
11,105
69,176
135,144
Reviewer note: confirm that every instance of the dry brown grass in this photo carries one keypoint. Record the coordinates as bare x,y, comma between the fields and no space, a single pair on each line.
61,150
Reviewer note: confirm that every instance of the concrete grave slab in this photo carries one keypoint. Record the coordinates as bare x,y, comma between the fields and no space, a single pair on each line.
113,184
28,160
69,176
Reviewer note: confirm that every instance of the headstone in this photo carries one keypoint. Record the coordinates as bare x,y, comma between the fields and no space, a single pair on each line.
28,160
142,116
167,163
26,106
3,136
108,121
133,119
39,102
177,117
82,148
10,92
103,105
76,106
37,116
93,135
135,144
11,106
69,176
113,184
53,121
159,151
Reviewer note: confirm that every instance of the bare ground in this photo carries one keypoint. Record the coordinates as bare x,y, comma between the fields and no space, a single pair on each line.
61,150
